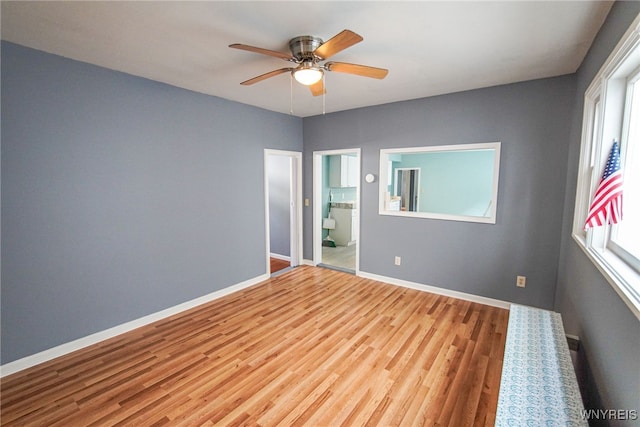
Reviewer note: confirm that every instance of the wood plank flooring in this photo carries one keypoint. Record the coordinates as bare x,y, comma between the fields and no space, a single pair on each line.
276,264
311,347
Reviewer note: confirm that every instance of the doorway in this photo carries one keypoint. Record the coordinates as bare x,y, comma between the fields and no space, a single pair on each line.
336,212
408,188
283,209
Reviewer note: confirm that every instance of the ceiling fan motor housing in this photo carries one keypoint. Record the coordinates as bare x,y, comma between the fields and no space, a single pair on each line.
302,47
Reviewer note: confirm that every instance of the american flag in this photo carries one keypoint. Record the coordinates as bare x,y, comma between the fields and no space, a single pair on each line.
606,207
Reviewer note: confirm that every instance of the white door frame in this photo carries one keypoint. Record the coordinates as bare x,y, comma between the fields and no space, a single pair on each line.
317,202
295,204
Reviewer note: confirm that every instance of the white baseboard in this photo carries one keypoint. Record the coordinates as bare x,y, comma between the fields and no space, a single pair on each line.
278,256
66,348
308,262
436,290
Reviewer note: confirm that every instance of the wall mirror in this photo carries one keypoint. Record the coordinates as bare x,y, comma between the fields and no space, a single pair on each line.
451,182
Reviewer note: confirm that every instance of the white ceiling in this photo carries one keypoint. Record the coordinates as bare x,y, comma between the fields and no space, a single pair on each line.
430,48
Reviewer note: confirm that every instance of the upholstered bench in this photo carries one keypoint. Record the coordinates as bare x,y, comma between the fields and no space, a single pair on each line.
538,385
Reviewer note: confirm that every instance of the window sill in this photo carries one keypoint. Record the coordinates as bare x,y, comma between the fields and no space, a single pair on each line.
622,278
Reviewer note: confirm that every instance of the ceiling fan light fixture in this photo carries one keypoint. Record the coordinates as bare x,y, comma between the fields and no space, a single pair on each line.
309,53
307,75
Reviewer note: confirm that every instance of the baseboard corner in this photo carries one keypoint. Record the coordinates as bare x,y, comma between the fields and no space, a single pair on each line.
71,346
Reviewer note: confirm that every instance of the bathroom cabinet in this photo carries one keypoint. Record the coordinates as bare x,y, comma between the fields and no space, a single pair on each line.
346,231
343,171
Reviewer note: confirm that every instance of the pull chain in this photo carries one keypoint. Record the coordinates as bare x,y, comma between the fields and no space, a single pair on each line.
324,93
291,94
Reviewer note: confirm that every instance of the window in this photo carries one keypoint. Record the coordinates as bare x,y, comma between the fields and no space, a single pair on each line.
612,112
446,182
625,237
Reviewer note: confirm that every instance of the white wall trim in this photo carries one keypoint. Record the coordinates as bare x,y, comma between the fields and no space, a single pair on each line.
66,348
308,262
436,290
278,256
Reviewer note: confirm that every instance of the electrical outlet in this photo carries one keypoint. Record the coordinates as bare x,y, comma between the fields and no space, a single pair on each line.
521,281
398,260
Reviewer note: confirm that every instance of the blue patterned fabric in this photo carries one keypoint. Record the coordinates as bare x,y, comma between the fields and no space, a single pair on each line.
538,385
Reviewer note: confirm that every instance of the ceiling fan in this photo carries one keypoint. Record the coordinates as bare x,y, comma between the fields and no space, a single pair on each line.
308,52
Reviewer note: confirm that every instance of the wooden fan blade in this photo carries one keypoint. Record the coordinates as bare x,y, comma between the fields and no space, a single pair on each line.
285,56
265,76
359,70
318,89
337,43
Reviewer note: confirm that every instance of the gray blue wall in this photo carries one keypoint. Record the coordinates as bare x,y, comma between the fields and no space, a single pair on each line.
121,197
609,332
532,120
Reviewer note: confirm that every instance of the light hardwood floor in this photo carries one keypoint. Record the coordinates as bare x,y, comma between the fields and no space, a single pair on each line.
311,347
276,264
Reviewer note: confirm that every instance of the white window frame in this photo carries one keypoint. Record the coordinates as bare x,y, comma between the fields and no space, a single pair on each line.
604,109
634,79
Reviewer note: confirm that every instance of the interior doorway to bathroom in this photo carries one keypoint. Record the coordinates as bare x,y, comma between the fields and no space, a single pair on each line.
283,209
336,214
